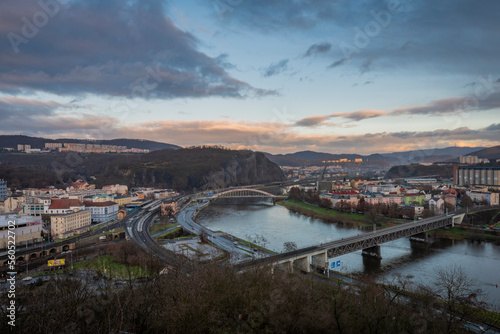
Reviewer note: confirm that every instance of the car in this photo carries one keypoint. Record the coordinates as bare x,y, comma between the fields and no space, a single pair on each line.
236,242
27,278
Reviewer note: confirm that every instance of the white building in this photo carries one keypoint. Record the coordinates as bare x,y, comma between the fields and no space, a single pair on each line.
102,211
66,225
436,205
61,206
28,229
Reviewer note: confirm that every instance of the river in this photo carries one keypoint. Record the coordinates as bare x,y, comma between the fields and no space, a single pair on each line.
272,226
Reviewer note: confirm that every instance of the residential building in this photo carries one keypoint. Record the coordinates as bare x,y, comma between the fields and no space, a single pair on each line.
102,211
436,205
53,146
123,200
413,199
68,224
115,189
469,159
28,229
32,208
3,190
11,204
61,206
410,211
483,197
101,198
168,208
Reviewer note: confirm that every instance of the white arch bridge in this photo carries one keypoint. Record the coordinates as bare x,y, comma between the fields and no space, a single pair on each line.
243,193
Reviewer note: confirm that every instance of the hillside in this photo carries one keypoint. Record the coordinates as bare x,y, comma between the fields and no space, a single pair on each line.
304,158
182,169
36,142
416,170
488,153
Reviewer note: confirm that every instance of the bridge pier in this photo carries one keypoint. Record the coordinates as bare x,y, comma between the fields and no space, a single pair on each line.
420,237
285,266
372,252
319,260
302,264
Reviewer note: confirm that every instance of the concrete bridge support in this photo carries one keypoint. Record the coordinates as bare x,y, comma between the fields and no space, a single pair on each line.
285,266
302,264
320,260
372,252
457,219
421,237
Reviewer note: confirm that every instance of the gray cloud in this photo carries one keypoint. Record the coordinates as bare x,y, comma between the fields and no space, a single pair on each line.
443,38
22,108
353,116
338,63
109,48
318,49
312,121
275,68
485,98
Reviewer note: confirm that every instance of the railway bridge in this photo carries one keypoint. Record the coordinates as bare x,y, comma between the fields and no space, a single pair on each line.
317,256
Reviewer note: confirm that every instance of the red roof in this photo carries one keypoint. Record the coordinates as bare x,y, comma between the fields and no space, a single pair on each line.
412,195
65,203
99,204
344,192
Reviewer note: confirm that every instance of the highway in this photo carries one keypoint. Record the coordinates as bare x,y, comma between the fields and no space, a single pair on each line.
137,229
185,219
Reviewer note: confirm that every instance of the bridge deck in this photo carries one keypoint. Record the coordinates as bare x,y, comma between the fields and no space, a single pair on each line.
366,240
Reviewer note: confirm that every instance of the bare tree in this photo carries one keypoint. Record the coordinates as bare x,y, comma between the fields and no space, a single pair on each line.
461,298
289,246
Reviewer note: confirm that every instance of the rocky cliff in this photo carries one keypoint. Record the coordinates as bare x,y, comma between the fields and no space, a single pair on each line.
253,168
205,168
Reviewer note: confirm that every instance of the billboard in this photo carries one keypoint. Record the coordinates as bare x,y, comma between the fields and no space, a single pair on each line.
55,263
333,264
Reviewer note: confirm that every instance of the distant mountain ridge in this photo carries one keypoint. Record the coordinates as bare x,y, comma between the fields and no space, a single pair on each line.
37,142
448,154
488,153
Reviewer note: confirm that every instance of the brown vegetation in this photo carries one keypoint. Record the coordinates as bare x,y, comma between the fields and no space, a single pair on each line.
217,300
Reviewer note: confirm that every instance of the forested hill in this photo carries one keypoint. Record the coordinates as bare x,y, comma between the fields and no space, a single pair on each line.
182,169
417,170
13,140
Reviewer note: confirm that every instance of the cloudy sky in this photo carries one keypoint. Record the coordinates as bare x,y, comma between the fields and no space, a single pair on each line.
271,75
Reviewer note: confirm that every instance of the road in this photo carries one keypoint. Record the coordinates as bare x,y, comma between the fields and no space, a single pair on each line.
185,219
137,228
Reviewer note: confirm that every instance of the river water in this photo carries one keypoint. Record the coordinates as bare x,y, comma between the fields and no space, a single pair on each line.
272,226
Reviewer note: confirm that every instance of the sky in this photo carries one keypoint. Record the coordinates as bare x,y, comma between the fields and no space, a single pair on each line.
268,75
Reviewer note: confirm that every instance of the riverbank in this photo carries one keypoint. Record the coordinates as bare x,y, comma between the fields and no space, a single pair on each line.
329,215
467,233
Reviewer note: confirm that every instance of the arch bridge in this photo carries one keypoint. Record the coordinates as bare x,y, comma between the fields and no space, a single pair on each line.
243,193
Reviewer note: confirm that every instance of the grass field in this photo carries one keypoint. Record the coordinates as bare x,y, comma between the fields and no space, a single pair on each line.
157,227
326,214
109,267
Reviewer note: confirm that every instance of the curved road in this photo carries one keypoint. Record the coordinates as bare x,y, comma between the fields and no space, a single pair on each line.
137,228
185,219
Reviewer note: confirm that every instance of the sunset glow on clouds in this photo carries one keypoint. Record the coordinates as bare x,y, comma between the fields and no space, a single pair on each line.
266,75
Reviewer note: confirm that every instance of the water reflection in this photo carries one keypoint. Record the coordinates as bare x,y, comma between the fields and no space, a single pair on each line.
278,225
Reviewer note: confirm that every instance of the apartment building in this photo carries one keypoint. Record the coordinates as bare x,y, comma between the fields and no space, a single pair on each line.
3,190
102,211
28,229
66,225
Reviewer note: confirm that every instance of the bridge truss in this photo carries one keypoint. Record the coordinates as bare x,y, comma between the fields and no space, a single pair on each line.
246,193
352,244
